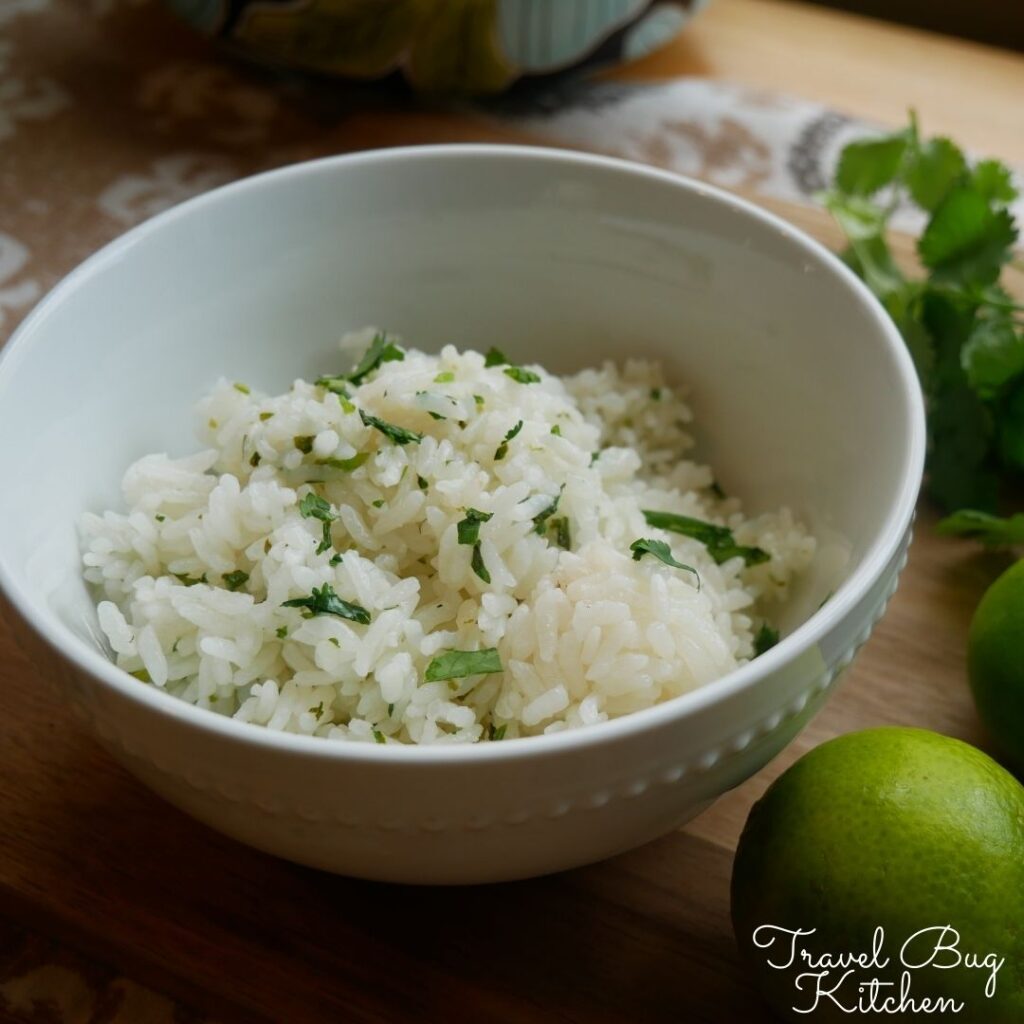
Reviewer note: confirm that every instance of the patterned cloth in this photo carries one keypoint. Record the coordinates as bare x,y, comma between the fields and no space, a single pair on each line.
732,135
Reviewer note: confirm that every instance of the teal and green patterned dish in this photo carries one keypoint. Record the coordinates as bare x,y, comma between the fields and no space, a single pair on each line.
464,46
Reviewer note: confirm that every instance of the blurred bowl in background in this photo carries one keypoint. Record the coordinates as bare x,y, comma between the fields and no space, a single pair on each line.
441,46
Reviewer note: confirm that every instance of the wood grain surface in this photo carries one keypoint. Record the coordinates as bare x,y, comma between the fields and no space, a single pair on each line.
95,859
860,66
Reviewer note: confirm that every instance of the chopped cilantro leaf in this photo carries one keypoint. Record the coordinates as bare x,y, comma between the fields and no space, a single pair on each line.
495,357
391,710
377,503
312,506
459,664
255,459
469,528
324,601
444,378
541,518
346,465
435,415
304,443
563,532
556,430
335,385
378,736
397,434
142,675
718,540
477,564
502,450
189,581
236,579
380,351
497,733
243,388
421,483
661,551
264,416
317,711
281,632
521,376
765,639
159,518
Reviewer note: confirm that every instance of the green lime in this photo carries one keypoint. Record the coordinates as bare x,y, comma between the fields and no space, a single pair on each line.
886,865
995,662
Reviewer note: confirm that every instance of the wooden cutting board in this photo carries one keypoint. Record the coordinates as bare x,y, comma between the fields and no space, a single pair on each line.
93,859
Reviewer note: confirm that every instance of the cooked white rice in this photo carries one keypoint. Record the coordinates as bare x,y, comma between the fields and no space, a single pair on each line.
583,635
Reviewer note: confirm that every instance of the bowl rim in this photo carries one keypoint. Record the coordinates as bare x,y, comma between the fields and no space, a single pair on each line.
850,593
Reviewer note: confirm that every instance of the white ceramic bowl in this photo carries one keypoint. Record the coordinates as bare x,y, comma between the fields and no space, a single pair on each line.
804,396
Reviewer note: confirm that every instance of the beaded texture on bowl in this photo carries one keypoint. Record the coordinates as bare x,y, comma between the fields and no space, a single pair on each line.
700,764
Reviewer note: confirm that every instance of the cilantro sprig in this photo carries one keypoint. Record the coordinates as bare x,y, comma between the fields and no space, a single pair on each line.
963,329
992,531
